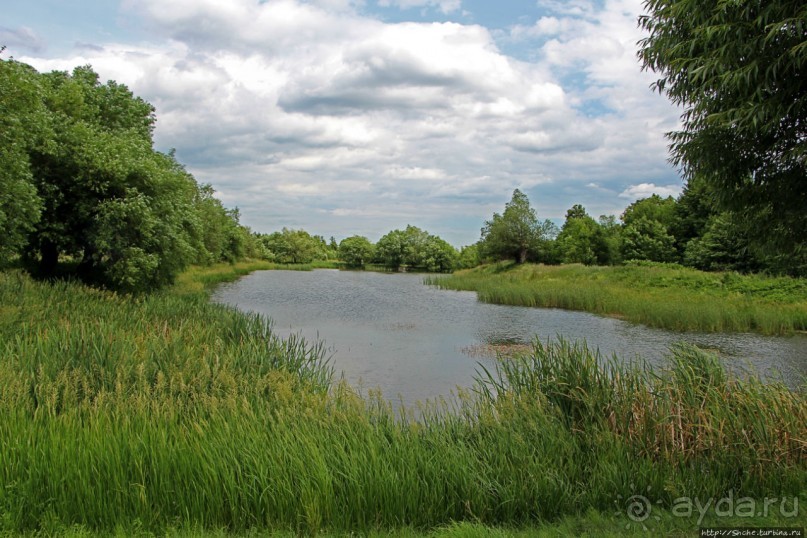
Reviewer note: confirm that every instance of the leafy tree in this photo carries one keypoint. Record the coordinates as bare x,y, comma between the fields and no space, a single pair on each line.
612,232
693,209
356,251
22,122
738,69
293,246
417,248
656,208
438,255
391,249
582,239
77,160
646,233
645,239
109,200
724,246
469,257
514,233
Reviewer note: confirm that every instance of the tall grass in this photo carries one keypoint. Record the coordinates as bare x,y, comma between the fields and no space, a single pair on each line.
664,296
166,411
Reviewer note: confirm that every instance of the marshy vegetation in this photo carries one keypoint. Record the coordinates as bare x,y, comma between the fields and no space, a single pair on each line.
658,295
154,412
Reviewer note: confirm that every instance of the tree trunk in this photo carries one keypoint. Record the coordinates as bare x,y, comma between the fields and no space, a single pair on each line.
522,255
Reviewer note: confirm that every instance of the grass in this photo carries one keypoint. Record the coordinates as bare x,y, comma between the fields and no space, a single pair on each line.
658,295
165,414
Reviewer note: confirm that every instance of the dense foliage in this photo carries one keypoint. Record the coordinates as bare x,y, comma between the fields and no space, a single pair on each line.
516,233
415,248
691,230
81,182
738,70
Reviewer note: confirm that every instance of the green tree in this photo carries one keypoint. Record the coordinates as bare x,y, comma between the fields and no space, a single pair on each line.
469,257
645,239
292,246
646,233
582,239
724,246
513,234
22,125
415,248
737,69
391,249
612,232
693,209
356,251
438,255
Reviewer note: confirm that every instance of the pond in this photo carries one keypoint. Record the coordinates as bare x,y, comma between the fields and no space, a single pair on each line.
415,342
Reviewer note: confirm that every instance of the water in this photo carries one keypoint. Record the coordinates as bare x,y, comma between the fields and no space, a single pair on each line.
415,342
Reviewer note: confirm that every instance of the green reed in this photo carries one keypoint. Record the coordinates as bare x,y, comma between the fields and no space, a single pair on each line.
658,295
166,411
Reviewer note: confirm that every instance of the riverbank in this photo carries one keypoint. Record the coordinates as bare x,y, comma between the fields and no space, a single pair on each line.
665,296
143,414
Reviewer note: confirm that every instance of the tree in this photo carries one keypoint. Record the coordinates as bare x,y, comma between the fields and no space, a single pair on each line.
438,256
646,233
391,249
416,248
646,239
356,251
293,246
22,122
582,239
79,178
514,233
723,246
738,71
468,257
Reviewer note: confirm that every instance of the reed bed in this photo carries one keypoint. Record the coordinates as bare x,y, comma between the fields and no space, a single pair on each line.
166,411
658,295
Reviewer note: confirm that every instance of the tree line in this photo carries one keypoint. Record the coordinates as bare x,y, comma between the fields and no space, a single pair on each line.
691,230
410,248
83,191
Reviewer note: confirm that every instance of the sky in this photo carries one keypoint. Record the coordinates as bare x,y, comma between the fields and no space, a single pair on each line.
347,117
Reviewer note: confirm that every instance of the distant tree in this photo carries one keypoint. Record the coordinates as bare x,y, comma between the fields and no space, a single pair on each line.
655,208
293,246
469,257
391,249
612,232
724,246
645,239
693,209
737,69
356,251
646,234
514,233
416,248
582,239
438,256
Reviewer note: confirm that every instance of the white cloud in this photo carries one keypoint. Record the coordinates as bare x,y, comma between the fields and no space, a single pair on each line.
445,6
646,190
305,112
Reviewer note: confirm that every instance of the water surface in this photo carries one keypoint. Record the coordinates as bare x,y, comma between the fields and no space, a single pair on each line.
390,331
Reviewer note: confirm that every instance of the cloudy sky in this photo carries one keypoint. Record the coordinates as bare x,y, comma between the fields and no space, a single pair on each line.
351,117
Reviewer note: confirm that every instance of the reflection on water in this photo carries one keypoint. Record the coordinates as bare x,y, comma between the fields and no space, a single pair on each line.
411,340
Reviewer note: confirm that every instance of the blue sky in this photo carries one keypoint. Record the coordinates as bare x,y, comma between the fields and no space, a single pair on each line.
351,117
